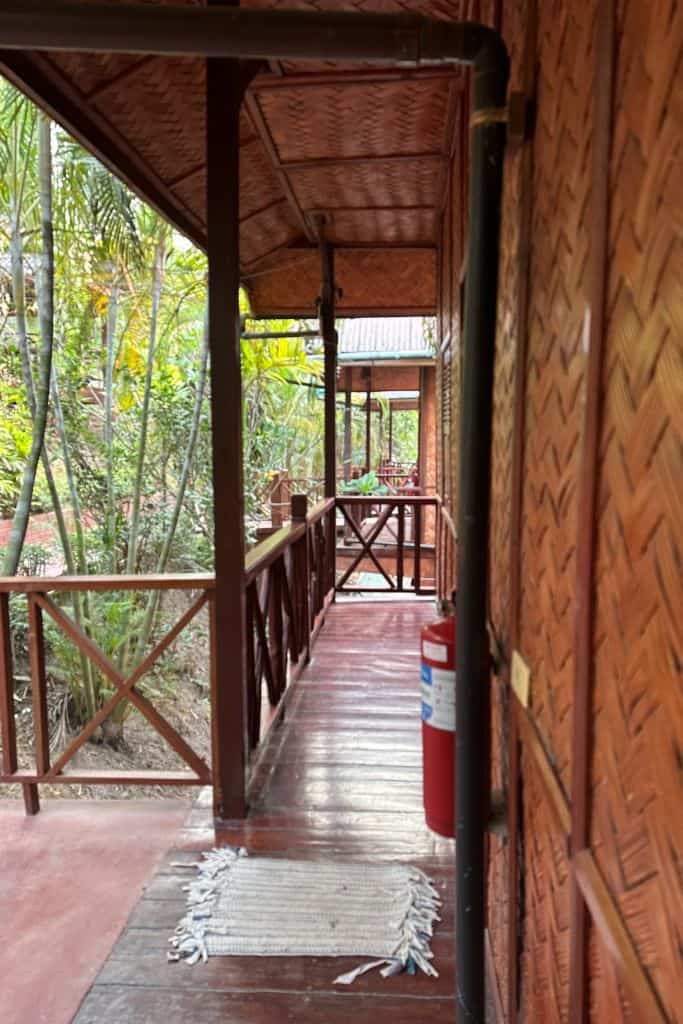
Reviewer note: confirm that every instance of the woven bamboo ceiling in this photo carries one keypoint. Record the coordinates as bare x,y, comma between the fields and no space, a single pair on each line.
366,146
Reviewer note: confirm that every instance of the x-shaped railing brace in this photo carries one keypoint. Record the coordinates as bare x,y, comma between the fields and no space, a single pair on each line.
126,686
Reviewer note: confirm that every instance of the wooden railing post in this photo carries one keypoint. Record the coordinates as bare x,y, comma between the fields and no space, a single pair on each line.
301,576
7,721
399,546
36,644
276,501
278,654
331,544
418,548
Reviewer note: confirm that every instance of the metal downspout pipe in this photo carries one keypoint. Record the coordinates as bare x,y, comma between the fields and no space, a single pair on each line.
473,659
385,39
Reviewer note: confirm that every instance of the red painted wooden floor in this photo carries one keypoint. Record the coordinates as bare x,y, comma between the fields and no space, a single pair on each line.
340,778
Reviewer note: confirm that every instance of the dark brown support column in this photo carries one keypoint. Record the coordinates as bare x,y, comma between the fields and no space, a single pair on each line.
420,429
391,432
224,88
368,421
603,70
348,424
329,336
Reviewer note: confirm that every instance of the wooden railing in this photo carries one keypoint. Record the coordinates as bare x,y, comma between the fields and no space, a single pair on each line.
289,582
288,586
393,536
40,597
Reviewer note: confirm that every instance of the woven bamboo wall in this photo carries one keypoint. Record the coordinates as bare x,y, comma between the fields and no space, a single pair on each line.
632,893
545,866
637,821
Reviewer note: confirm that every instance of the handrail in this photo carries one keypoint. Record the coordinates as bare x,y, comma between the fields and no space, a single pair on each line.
152,581
320,509
269,550
395,499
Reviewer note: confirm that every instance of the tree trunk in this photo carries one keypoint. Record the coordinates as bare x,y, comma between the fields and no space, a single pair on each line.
154,599
157,284
23,509
110,352
80,603
131,556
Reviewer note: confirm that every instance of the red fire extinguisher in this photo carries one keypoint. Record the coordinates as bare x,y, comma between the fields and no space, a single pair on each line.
437,642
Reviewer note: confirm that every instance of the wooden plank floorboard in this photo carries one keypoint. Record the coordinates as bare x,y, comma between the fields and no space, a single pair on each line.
149,1005
339,777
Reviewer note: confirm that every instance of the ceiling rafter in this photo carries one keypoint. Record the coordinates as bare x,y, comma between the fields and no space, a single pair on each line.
116,80
356,77
263,131
360,159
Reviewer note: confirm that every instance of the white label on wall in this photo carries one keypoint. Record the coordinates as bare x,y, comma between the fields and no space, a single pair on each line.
435,652
520,677
438,697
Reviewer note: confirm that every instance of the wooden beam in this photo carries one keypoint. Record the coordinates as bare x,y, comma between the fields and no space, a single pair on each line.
320,163
263,132
353,77
224,96
604,71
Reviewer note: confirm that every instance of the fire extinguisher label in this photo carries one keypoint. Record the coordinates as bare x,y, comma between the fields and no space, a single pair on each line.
438,697
435,652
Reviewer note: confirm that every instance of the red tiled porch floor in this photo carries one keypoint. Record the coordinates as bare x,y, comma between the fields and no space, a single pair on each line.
340,778
69,878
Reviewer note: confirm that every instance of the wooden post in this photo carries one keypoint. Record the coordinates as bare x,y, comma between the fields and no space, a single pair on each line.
301,577
348,424
329,336
391,431
276,501
421,440
7,722
368,421
224,90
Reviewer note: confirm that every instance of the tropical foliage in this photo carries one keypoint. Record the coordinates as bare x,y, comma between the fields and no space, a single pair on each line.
104,411
104,404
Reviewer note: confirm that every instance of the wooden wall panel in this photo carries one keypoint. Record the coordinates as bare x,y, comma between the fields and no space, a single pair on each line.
555,367
637,824
545,951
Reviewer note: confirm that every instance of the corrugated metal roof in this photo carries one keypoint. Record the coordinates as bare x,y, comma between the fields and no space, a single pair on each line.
383,338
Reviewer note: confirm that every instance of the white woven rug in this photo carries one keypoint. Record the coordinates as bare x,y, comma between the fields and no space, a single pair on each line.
267,906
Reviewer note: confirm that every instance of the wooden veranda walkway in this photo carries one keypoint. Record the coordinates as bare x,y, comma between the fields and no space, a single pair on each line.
340,778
